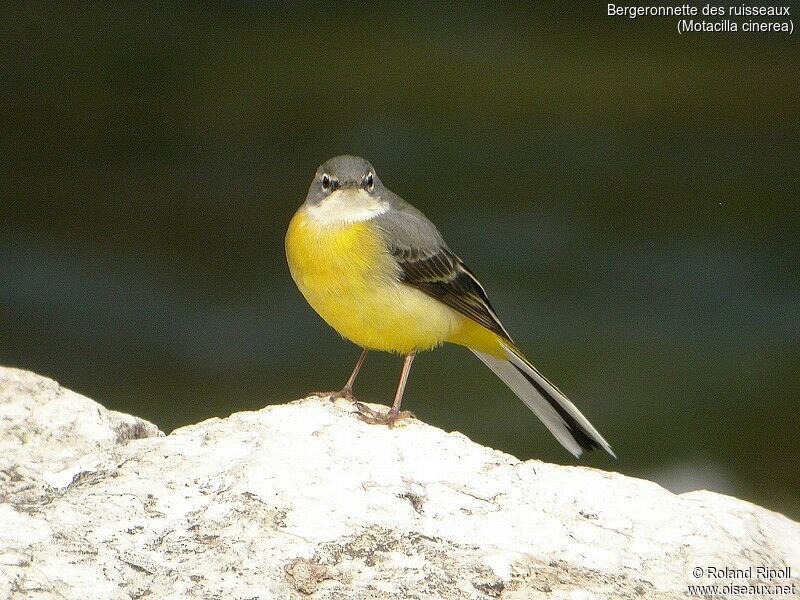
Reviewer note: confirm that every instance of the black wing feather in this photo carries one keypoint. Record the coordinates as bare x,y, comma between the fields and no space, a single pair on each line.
443,276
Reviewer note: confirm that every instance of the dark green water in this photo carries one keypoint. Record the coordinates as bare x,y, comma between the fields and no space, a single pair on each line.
628,197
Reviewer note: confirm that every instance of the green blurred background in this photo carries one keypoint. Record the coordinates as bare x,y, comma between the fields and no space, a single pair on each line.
627,195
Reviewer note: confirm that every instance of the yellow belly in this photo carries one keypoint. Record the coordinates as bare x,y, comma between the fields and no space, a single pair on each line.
351,281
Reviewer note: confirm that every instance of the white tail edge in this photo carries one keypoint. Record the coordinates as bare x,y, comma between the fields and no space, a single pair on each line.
547,402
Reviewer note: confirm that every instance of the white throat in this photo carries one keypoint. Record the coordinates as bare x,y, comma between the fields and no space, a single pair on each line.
344,207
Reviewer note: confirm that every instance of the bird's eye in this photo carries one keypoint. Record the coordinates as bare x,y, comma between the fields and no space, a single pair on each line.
326,182
369,180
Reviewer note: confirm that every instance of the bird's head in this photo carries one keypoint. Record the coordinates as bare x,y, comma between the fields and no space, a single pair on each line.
345,189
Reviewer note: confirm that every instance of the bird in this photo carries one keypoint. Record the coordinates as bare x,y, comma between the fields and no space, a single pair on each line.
379,272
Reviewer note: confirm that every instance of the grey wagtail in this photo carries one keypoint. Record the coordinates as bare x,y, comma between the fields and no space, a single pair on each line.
378,271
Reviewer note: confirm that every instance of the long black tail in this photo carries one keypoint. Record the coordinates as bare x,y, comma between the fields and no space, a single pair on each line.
552,407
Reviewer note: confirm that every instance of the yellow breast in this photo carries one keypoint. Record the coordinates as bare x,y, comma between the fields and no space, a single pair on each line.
348,277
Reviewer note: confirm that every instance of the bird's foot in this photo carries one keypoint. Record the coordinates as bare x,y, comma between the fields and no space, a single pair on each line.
373,417
345,393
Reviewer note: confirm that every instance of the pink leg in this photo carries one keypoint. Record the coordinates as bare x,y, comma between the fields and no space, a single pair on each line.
394,414
347,391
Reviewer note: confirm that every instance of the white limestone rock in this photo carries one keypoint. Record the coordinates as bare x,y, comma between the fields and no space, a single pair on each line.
305,501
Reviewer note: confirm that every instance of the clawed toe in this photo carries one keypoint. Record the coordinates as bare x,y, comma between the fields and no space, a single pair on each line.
365,413
333,396
373,417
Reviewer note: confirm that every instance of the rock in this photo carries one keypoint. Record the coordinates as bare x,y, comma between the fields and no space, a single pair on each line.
305,501
51,436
